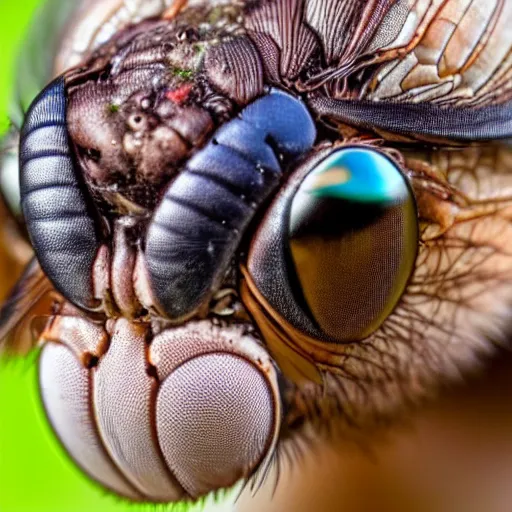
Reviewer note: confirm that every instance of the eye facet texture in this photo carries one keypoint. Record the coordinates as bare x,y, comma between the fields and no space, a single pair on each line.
196,411
346,240
123,396
352,241
66,393
225,421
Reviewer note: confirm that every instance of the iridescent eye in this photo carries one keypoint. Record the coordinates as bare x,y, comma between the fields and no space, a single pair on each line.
343,237
352,238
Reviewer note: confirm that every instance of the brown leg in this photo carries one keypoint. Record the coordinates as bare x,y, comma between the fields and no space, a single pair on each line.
171,12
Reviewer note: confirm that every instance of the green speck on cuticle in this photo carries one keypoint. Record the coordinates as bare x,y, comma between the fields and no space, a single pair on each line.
215,15
113,108
198,48
184,74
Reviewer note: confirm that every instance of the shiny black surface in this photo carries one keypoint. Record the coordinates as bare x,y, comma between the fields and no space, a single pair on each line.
58,216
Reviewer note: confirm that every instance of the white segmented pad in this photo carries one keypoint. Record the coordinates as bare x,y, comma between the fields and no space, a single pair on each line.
215,421
124,406
64,384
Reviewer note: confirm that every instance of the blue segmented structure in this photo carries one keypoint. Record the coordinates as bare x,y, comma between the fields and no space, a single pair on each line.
58,217
199,224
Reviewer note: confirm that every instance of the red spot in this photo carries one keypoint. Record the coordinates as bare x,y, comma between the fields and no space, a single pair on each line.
179,95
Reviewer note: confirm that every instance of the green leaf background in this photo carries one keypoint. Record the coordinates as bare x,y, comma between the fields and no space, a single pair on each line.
35,473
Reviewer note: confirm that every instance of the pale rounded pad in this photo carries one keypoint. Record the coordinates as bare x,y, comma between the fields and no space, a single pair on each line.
64,387
215,416
124,398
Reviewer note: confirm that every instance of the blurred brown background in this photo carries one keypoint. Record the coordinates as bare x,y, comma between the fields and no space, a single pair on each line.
14,251
454,456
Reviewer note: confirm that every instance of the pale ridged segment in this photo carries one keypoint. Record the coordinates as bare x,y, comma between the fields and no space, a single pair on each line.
66,394
123,401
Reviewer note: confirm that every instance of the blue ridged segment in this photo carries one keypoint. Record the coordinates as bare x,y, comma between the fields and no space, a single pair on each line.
286,121
197,228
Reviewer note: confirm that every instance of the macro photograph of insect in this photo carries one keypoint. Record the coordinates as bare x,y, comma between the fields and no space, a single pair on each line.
256,255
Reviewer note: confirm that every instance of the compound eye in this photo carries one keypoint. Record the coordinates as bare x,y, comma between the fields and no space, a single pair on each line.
337,247
352,239
218,413
224,425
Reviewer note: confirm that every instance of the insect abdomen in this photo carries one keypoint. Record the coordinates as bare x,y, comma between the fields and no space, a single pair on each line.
205,211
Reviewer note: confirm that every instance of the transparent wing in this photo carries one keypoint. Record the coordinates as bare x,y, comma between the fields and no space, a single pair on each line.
458,53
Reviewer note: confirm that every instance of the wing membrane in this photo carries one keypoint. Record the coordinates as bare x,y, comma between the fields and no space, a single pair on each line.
462,57
447,61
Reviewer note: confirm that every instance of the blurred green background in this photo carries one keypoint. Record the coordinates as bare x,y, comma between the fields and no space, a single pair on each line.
35,474
15,17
